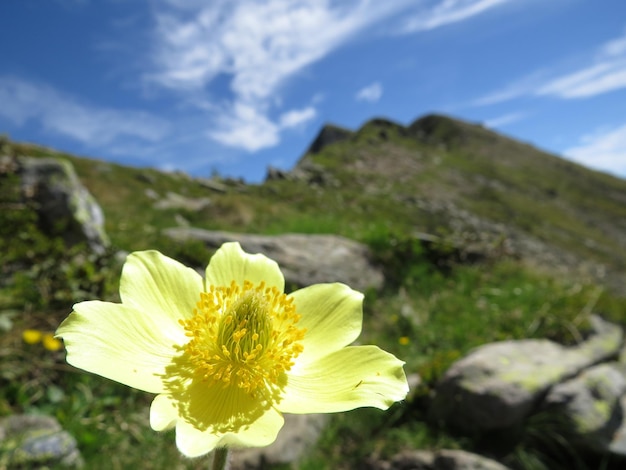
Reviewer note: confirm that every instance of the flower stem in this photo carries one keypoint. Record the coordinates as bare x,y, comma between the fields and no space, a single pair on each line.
220,459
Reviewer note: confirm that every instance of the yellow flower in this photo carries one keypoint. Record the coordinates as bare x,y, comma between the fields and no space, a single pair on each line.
229,354
32,336
404,340
50,342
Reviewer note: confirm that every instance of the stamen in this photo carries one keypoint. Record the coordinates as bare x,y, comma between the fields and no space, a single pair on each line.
243,336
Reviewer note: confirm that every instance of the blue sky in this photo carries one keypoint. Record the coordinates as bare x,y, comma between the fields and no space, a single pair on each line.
236,85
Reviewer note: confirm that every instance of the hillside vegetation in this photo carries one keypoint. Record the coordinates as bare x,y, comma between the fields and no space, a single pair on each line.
438,175
539,243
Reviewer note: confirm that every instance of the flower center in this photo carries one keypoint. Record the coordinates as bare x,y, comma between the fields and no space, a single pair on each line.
243,336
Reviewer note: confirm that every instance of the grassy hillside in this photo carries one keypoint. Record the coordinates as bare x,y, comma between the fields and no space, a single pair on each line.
546,229
438,175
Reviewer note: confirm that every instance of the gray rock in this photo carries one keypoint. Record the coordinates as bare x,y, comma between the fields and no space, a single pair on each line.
274,173
605,341
32,441
64,204
617,446
297,436
591,407
462,460
497,385
445,459
151,194
303,259
176,201
329,134
305,171
212,184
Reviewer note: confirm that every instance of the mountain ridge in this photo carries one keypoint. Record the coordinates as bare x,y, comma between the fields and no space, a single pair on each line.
455,166
438,175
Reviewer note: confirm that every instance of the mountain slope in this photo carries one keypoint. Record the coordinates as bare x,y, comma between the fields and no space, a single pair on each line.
478,184
469,185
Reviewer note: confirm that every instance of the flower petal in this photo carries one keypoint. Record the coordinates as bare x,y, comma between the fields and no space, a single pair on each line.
332,315
231,263
193,442
163,413
211,415
350,378
163,287
120,343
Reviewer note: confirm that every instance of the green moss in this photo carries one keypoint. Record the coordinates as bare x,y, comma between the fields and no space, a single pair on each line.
536,378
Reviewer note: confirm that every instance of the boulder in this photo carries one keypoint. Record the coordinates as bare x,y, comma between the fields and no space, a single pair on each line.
176,201
274,173
591,406
498,385
445,459
303,259
328,135
305,171
34,441
213,184
457,459
64,205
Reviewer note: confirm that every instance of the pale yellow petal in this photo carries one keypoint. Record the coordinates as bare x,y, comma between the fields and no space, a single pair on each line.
163,287
261,433
332,315
231,263
212,415
350,378
120,343
193,442
163,413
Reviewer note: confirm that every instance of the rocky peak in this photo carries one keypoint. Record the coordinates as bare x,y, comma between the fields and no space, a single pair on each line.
329,134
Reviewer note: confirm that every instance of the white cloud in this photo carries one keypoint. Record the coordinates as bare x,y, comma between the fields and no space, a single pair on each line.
595,80
605,71
447,12
243,126
503,120
604,150
297,117
63,114
615,47
259,45
371,93
521,87
600,78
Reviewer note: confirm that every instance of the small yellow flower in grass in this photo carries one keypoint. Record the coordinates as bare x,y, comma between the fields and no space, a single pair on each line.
404,340
228,354
50,342
32,336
